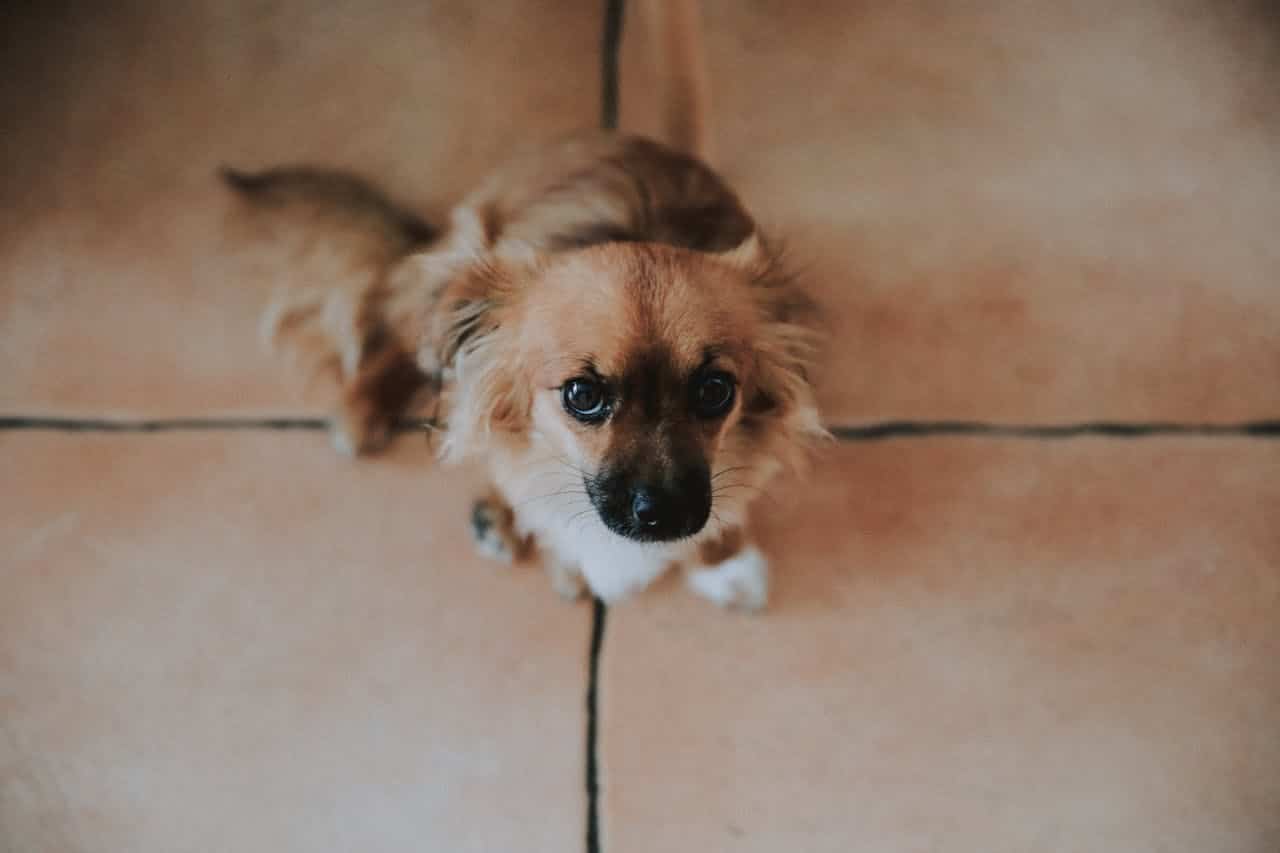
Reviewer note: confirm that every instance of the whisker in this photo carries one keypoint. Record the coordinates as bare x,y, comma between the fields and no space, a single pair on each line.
724,487
755,491
552,456
729,470
582,518
572,467
570,492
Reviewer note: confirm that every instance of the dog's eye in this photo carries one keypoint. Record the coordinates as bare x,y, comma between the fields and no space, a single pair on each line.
713,395
585,399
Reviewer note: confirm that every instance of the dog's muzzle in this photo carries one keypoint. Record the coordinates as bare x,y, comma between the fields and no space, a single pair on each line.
653,509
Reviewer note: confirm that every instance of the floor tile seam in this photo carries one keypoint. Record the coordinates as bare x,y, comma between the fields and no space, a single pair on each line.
850,433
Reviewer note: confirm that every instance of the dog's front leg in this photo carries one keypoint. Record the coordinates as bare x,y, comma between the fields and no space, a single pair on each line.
494,531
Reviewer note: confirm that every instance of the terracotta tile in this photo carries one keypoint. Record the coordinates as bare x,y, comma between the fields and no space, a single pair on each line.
213,642
122,293
997,646
1017,211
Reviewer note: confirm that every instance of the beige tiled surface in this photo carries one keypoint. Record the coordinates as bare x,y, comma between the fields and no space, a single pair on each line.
241,642
1024,211
1017,209
120,291
975,645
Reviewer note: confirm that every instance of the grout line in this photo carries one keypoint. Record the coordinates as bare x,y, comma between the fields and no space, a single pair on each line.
60,424
206,424
599,615
1054,432
878,431
610,43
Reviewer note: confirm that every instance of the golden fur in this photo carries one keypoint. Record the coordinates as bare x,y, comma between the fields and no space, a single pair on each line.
603,265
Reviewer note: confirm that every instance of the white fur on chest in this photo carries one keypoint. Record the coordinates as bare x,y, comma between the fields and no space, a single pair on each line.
614,567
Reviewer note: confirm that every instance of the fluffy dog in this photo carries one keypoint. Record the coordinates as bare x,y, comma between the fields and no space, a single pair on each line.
602,323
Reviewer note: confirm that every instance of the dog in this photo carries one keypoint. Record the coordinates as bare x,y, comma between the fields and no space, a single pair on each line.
602,323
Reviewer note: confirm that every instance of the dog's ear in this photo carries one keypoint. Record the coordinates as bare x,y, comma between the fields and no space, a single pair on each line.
471,341
782,392
467,308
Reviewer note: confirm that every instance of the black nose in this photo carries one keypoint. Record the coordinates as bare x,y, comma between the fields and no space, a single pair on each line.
668,511
645,508
652,509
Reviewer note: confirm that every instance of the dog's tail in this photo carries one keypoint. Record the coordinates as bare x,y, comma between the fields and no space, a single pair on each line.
674,31
340,307
334,197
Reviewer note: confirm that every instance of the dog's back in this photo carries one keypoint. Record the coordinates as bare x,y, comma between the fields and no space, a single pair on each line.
601,187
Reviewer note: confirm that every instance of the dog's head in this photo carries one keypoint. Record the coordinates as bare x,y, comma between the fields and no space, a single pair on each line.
661,377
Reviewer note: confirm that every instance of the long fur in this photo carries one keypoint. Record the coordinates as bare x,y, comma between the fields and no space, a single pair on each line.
644,241
352,318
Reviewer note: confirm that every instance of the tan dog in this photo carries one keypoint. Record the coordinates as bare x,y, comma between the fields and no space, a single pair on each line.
605,328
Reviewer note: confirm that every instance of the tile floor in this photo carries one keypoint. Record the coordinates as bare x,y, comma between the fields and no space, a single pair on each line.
1020,213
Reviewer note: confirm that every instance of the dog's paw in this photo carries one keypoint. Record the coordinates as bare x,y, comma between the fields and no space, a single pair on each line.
740,582
493,530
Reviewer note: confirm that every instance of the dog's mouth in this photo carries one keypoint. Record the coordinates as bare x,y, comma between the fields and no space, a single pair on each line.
663,509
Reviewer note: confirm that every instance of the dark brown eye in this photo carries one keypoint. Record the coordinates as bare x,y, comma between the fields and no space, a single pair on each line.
585,399
713,395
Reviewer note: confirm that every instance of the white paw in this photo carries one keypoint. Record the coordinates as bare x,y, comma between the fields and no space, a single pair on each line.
740,582
490,532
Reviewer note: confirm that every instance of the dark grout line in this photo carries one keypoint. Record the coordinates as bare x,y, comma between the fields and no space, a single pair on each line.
58,424
1054,432
1267,428
610,44
211,424
599,615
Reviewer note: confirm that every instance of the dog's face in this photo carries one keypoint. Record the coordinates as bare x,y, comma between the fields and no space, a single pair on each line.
645,371
639,359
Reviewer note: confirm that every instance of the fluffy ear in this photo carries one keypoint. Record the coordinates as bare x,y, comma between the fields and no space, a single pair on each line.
454,301
472,339
783,392
785,351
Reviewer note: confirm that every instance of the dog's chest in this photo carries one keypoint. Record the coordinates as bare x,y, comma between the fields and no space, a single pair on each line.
613,567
